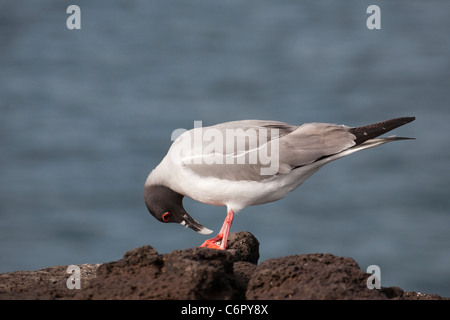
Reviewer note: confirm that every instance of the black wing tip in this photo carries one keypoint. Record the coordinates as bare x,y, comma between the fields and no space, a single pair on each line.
392,123
371,131
405,120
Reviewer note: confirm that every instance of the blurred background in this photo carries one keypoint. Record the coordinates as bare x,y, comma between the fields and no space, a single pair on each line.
87,114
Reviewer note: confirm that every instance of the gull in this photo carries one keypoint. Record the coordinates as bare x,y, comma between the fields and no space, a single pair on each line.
249,162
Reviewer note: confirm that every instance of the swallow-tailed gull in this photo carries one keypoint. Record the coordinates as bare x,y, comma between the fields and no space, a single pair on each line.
250,162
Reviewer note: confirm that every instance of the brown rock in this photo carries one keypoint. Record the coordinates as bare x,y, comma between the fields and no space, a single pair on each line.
202,273
310,276
48,283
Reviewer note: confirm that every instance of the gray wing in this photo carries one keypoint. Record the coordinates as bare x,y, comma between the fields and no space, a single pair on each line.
312,141
257,149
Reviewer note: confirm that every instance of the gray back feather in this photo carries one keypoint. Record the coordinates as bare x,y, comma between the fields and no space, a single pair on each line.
237,158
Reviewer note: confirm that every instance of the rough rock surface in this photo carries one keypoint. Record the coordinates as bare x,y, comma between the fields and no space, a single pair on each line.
202,273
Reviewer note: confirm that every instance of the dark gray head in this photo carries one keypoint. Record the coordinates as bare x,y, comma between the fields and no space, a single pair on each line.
166,205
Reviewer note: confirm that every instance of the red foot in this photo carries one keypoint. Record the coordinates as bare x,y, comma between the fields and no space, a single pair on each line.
211,243
222,237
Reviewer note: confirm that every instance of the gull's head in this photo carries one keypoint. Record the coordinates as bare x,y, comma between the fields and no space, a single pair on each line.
166,206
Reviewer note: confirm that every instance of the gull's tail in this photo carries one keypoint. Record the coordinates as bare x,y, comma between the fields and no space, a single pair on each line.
366,137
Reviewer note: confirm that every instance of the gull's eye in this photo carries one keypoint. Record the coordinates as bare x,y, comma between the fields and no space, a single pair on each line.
166,216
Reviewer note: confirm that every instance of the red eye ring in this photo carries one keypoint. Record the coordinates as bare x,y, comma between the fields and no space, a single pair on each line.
166,216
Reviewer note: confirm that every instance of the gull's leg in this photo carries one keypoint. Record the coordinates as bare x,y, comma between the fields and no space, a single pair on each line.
222,237
225,231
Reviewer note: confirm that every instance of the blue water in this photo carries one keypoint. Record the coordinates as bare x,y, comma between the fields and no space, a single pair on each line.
86,114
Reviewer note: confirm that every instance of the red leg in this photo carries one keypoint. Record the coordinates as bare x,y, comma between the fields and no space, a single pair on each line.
222,237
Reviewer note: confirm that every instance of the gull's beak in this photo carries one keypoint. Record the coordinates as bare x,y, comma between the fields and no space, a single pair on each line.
190,222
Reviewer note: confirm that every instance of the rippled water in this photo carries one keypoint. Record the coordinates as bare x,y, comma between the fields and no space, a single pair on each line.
86,114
